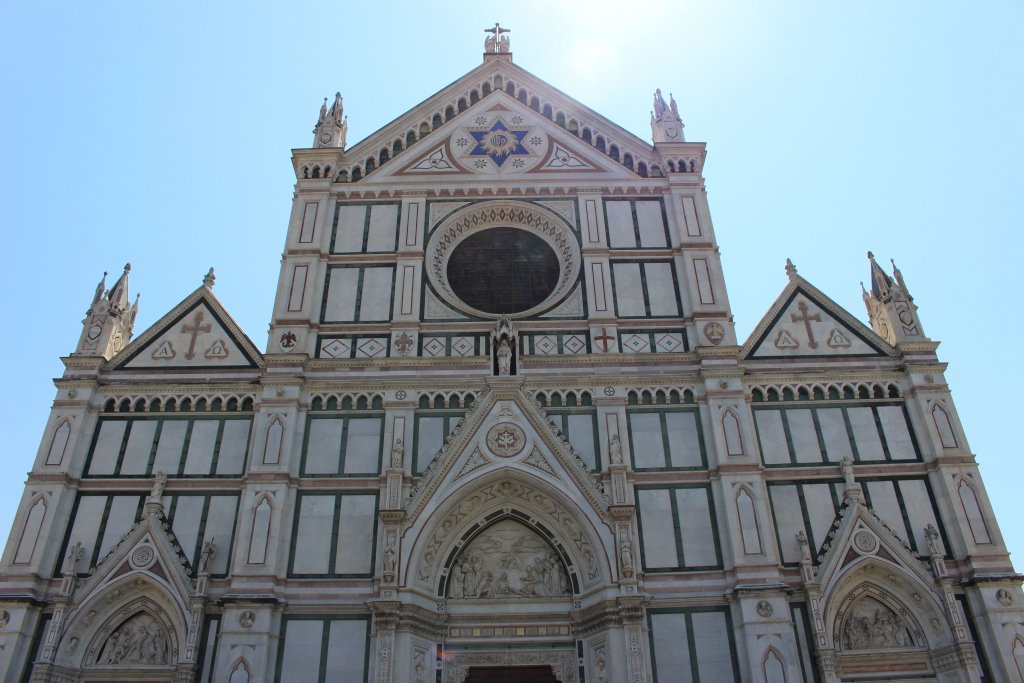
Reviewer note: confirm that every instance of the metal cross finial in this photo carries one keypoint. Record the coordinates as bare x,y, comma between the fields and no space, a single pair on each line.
496,43
497,30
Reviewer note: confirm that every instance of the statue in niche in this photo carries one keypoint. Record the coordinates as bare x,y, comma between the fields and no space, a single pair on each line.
508,560
139,640
615,449
398,454
626,553
871,625
504,358
503,341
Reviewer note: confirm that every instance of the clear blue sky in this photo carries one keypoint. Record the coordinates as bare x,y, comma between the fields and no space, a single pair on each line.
159,133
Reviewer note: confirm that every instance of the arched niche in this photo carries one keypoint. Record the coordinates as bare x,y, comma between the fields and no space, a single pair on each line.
148,616
440,534
510,557
875,585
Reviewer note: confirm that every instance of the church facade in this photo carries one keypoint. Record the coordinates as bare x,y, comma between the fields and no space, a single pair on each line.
502,429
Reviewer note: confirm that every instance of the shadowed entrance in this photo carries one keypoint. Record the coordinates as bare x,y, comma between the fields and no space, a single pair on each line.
511,674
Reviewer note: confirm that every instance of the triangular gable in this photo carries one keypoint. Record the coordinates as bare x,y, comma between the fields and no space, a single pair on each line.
499,137
858,532
519,80
197,333
161,555
506,429
803,322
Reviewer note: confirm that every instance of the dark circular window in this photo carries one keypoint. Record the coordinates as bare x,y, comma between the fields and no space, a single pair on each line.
503,270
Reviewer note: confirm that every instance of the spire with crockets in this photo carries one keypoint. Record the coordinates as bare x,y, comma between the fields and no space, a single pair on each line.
109,322
891,309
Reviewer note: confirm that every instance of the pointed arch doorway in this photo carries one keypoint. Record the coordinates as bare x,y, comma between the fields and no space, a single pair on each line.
511,674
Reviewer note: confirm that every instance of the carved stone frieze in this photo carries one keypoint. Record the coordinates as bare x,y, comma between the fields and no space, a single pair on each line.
562,663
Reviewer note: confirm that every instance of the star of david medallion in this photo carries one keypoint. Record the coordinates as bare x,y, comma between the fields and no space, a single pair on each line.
499,143
506,440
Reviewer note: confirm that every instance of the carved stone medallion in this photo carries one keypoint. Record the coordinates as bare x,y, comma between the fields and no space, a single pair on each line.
764,609
1004,598
714,332
865,542
143,557
506,440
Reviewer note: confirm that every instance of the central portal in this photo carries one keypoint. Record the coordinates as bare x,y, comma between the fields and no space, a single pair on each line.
511,674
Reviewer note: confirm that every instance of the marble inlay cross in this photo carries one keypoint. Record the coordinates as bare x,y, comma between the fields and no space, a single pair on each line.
604,338
806,320
196,328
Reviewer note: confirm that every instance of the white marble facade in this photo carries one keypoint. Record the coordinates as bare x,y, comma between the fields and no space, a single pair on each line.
568,463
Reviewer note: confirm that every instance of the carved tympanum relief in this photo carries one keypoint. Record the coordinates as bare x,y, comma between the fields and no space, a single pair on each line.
508,560
870,625
139,640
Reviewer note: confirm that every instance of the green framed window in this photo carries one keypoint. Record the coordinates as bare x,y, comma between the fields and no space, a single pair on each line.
323,649
365,228
177,445
333,535
343,445
678,529
358,293
636,224
810,433
646,289
692,645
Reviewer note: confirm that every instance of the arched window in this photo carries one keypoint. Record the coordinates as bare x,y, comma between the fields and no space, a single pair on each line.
485,89
560,119
474,97
587,136
410,138
449,113
547,111
370,165
614,152
424,130
396,148
462,105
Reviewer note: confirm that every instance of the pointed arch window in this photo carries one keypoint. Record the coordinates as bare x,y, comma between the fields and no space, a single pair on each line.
59,442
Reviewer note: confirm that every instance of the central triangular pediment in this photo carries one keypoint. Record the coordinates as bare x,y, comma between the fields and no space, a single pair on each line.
500,137
506,430
546,134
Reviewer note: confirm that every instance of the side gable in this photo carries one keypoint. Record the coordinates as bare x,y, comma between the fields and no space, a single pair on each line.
197,333
804,323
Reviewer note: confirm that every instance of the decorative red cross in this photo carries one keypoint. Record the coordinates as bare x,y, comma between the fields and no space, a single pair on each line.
604,338
196,329
806,320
